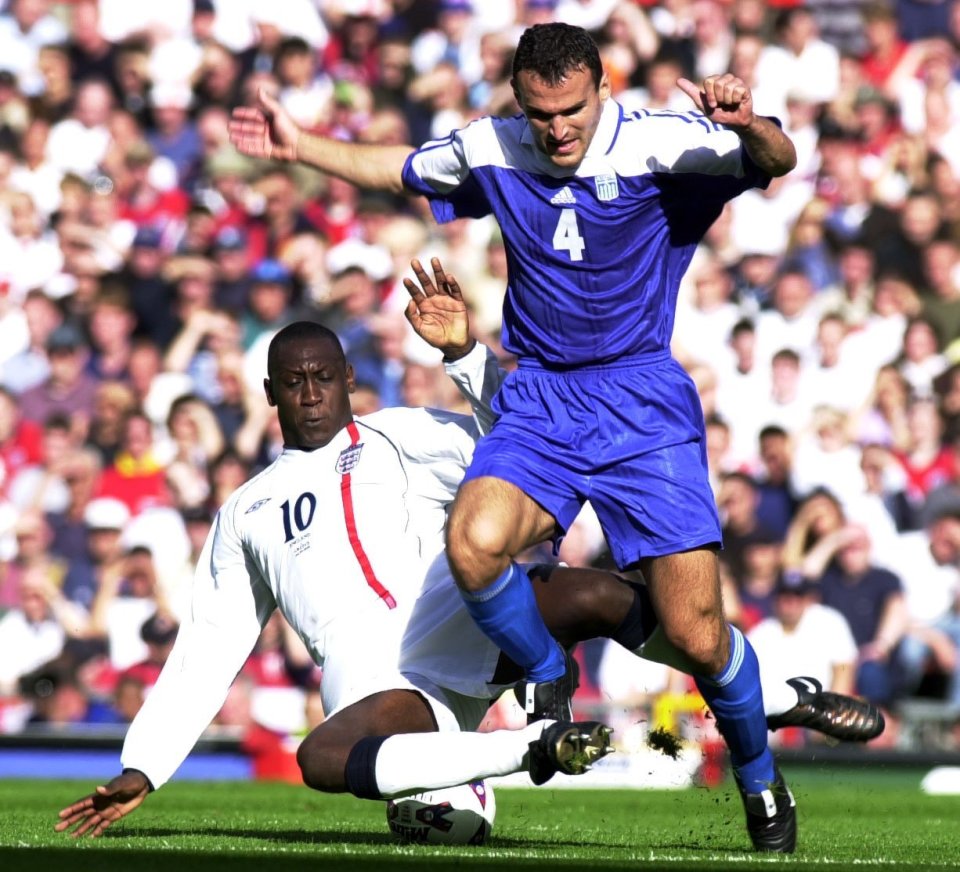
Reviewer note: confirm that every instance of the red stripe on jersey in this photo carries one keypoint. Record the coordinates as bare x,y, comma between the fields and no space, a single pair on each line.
351,520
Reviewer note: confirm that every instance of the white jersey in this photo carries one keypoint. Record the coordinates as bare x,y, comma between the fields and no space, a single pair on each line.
344,540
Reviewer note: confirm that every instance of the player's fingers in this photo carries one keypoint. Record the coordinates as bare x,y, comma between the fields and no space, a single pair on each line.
454,286
76,808
423,278
439,276
731,93
691,90
413,290
86,826
710,92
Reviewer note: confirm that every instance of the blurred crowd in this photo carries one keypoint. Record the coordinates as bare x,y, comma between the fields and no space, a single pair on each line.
145,265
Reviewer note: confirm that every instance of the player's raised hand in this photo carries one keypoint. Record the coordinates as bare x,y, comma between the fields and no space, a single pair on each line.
725,99
110,802
264,131
437,311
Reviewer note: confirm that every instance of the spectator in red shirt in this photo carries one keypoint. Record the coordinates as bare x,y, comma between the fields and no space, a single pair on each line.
136,477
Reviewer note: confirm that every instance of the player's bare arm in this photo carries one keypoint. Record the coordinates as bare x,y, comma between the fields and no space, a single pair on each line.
727,100
267,131
105,806
437,311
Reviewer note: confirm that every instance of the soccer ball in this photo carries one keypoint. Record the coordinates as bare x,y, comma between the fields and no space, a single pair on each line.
461,815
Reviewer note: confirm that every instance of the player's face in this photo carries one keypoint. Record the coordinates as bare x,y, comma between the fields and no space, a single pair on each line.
563,117
310,387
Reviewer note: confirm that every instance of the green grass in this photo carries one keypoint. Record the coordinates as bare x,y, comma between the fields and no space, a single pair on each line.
848,819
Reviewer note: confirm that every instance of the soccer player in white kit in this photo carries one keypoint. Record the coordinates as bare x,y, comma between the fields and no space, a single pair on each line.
344,534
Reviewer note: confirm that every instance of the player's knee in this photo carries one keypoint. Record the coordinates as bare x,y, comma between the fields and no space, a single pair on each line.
319,769
475,548
705,643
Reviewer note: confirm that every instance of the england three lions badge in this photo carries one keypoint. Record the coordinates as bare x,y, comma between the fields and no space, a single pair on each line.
349,458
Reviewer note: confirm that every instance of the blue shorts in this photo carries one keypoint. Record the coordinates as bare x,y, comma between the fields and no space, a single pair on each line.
627,436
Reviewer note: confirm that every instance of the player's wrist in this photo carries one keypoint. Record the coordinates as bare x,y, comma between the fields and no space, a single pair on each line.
129,770
452,353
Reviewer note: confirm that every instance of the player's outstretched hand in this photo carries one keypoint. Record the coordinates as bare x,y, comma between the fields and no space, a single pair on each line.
264,131
725,99
110,802
437,311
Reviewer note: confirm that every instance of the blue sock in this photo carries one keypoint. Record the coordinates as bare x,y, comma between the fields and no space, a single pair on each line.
507,613
736,701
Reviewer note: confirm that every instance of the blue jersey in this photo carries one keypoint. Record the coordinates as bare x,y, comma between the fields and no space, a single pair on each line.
596,254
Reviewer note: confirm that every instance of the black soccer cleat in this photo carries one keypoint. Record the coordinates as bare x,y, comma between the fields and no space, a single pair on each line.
771,817
567,747
550,700
842,717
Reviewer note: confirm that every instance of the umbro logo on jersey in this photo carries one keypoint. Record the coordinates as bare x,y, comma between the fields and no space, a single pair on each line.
563,197
257,505
349,458
607,187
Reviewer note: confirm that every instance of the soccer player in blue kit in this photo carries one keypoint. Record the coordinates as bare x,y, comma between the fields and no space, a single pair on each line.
601,211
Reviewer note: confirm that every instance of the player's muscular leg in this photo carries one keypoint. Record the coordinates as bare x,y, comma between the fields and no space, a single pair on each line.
580,604
322,756
685,591
491,521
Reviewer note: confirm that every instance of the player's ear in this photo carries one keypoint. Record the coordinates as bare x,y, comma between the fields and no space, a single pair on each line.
604,88
268,390
351,379
516,92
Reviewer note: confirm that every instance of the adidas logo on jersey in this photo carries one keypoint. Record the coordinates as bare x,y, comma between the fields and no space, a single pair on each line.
563,197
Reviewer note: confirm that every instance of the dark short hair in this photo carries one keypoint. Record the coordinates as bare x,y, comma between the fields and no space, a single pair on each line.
773,430
299,331
744,325
553,51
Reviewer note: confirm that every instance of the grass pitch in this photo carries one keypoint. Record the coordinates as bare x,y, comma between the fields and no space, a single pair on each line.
847,819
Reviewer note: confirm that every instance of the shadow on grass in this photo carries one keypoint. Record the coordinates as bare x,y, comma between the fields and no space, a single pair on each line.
323,837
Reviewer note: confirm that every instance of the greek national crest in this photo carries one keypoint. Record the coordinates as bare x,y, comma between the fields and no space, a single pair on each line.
349,458
607,187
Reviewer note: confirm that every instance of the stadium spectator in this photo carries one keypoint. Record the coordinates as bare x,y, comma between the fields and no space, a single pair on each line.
871,599
41,485
136,477
196,440
882,418
806,636
69,389
826,458
80,470
930,561
270,305
127,595
25,27
818,515
111,323
739,502
926,462
79,142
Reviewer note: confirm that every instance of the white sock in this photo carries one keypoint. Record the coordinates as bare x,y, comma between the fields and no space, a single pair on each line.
778,696
414,762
